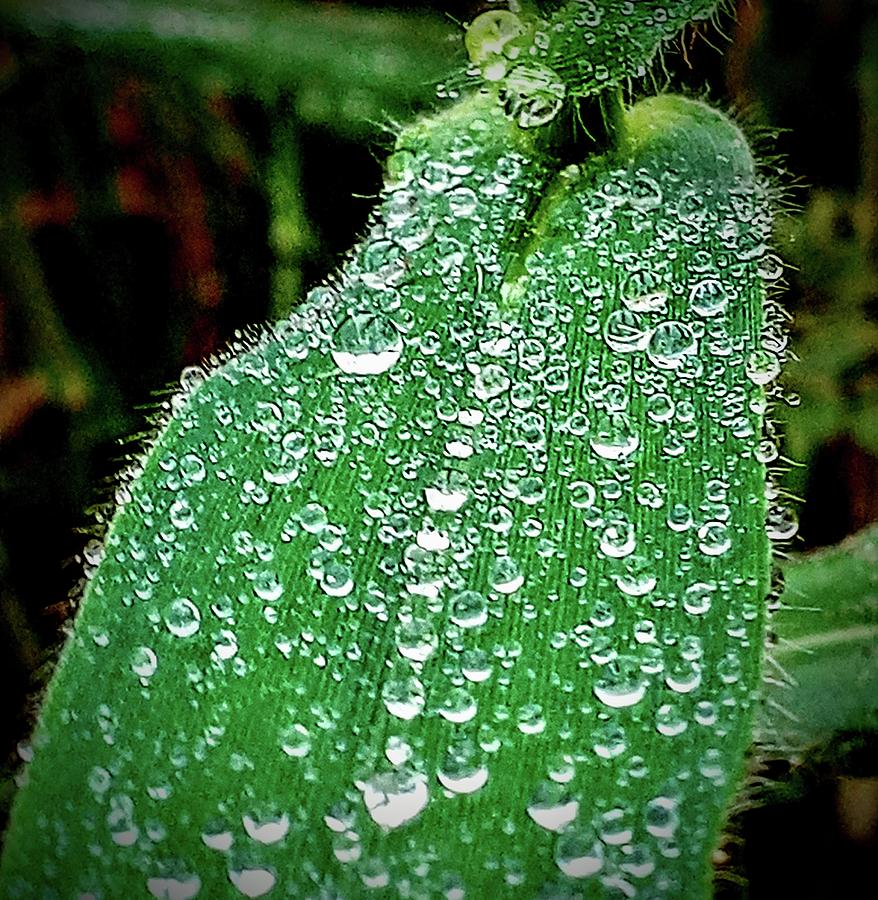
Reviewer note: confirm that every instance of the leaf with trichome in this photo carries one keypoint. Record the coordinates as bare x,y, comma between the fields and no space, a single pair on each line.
265,554
453,582
579,49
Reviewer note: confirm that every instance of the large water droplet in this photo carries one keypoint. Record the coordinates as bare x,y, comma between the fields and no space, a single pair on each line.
366,344
618,537
552,807
533,95
582,494
621,684
578,854
614,437
416,639
614,828
781,523
763,367
253,882
491,381
493,38
268,830
393,798
530,719
506,577
461,771
217,837
624,332
458,706
441,500
295,740
398,750
144,662
714,538
469,609
346,848
637,578
475,665
174,888
641,303
609,740
183,618
403,697
337,580
661,817
697,598
708,297
670,343
120,820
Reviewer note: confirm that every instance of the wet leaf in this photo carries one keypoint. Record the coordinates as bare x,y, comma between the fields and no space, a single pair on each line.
453,580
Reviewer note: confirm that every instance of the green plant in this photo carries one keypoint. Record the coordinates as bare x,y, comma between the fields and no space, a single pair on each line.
454,580
823,675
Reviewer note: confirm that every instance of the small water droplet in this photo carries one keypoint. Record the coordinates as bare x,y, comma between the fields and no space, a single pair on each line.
763,367
144,662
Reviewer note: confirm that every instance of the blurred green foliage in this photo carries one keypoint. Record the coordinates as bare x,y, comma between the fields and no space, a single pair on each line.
345,67
822,674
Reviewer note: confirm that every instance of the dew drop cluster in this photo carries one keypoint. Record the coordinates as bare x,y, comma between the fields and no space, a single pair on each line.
422,574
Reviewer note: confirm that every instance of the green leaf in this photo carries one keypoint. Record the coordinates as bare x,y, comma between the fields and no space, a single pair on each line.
669,559
453,581
823,665
578,50
275,469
